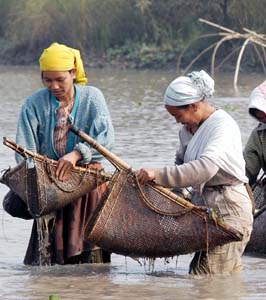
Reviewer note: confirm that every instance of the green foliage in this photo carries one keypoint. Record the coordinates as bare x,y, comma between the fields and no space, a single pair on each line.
231,108
141,55
142,32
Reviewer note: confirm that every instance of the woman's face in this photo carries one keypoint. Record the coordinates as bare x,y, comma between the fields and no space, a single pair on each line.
260,115
185,116
60,83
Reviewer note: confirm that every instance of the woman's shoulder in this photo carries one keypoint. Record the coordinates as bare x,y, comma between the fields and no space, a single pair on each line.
91,94
221,114
90,90
38,96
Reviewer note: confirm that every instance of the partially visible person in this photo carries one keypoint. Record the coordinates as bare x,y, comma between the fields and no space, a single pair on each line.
43,127
209,160
255,149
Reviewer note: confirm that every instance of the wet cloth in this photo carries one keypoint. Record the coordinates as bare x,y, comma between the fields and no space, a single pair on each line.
217,183
230,198
58,57
189,89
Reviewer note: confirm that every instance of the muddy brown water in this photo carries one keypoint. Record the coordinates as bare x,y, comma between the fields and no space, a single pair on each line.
145,136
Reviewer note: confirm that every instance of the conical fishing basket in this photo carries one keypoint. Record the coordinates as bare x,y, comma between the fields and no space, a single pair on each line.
150,220
259,193
35,182
257,242
135,220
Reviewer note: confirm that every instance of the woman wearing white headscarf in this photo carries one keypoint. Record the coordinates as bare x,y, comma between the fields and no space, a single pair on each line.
210,160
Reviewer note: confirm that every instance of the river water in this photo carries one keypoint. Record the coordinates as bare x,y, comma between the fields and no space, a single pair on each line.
145,136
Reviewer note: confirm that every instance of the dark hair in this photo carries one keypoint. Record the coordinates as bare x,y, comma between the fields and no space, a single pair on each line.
68,71
186,106
253,111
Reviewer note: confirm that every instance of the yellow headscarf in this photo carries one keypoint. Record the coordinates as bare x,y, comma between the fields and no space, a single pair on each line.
59,57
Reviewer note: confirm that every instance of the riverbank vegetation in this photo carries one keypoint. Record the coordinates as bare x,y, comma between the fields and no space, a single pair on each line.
126,33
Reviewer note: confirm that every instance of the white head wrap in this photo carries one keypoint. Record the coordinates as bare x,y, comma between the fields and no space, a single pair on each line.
257,98
189,89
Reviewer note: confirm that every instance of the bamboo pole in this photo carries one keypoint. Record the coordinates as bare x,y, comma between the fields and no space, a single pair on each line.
198,56
260,211
260,56
122,165
260,36
227,57
215,51
190,43
217,26
25,152
249,36
239,60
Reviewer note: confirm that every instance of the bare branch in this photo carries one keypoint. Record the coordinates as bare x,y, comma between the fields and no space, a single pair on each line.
260,57
239,60
250,37
189,45
198,56
216,25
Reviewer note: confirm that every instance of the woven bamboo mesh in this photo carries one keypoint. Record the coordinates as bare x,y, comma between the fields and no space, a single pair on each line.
150,220
259,193
141,221
35,182
257,242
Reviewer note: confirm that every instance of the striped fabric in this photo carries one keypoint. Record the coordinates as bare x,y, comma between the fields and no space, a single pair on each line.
62,129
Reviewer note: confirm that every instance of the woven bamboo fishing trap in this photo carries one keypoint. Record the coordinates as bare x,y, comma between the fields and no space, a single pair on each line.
35,182
149,220
259,192
257,242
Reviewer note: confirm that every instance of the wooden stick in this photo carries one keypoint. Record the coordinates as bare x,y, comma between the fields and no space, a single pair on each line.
218,44
260,211
198,56
122,165
217,26
189,45
239,60
260,36
25,152
116,161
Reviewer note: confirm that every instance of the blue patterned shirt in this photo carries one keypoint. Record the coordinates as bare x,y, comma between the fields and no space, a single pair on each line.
38,119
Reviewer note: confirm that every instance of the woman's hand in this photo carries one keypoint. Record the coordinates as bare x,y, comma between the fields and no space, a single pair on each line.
66,163
145,175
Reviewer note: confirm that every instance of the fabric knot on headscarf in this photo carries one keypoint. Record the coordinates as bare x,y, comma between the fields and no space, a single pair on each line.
189,89
58,57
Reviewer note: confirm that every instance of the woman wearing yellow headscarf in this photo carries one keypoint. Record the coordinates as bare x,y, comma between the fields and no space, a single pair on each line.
43,127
